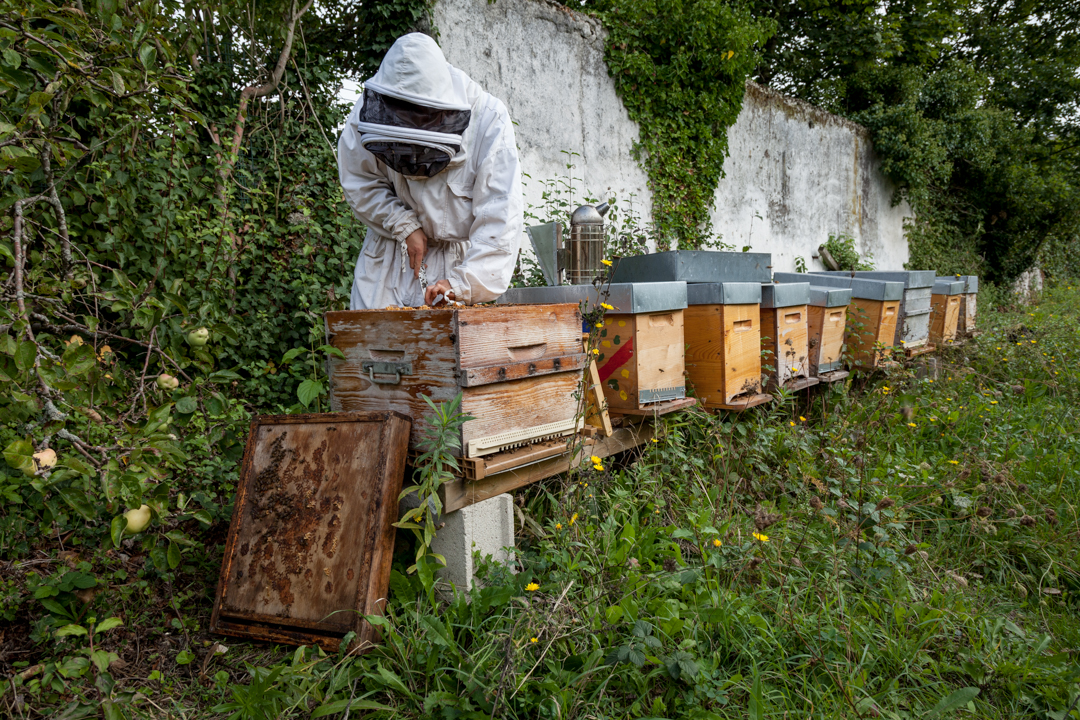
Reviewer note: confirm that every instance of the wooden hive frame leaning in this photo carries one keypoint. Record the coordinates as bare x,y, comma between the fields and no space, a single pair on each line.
518,369
785,335
311,541
723,344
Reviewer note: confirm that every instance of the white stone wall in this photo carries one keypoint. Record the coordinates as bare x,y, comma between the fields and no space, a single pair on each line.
796,174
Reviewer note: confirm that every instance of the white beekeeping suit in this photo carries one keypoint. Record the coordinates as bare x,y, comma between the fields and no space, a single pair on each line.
426,117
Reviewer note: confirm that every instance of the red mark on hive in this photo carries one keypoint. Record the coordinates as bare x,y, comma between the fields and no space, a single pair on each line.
620,358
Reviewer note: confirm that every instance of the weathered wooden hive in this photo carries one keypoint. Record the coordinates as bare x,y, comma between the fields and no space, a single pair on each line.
872,315
518,369
948,298
723,344
641,360
827,323
784,335
965,326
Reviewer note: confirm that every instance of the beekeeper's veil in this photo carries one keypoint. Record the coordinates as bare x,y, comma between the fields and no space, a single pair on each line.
411,118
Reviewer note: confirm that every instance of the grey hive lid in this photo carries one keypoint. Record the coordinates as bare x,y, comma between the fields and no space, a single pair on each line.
694,266
949,286
971,282
728,293
910,278
861,288
823,296
782,295
630,298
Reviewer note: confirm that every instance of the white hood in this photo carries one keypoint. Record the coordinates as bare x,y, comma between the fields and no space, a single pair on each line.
416,71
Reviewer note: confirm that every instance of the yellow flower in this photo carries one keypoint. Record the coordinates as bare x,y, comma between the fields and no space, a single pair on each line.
802,419
912,425
716,542
606,262
599,325
595,459
573,518
655,440
586,484
558,526
532,587
532,640
993,402
954,462
597,466
792,423
596,351
761,537
606,306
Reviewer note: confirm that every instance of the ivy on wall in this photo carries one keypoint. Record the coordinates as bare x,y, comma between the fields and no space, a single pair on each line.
680,67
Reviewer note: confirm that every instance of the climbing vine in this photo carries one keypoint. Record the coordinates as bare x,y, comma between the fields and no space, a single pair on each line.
680,67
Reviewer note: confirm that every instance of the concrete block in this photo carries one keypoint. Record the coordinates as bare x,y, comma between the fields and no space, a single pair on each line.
486,527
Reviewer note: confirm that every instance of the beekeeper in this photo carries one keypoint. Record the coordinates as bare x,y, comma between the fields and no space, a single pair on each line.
428,162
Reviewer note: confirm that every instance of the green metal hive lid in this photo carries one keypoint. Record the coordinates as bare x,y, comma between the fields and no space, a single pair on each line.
694,266
728,293
949,286
823,296
630,298
781,295
861,288
971,282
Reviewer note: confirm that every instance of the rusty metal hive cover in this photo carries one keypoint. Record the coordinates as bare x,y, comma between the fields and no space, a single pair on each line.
309,549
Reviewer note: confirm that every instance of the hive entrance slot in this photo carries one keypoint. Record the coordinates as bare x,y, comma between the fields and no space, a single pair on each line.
527,352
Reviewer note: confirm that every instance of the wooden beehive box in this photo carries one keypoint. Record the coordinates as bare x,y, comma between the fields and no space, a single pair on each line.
641,359
518,368
947,300
965,324
872,314
913,323
827,325
309,549
785,335
723,344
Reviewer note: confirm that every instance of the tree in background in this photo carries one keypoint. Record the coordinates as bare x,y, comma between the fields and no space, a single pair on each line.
972,107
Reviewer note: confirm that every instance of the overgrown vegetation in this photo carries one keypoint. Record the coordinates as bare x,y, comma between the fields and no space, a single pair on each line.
915,540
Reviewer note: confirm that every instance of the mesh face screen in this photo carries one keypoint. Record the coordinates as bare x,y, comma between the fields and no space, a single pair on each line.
385,110
410,159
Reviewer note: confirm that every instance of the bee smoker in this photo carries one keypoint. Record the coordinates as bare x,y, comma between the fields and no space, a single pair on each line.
586,245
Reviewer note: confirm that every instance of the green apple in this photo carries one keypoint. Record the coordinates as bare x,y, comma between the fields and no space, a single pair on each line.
137,520
167,382
198,338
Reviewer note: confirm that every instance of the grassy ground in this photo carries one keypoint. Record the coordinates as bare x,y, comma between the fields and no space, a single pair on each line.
902,548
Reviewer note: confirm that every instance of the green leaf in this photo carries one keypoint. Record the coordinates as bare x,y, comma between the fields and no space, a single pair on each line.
186,405
76,499
20,455
203,517
118,83
291,354
184,657
308,391
108,624
331,350
116,529
148,56
958,698
25,354
71,630
103,659
174,555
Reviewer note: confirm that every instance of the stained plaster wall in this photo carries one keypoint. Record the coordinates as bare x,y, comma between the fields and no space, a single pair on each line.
796,174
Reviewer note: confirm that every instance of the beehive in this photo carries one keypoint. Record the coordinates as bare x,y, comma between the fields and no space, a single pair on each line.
723,344
913,323
518,369
948,298
872,313
641,358
965,325
827,323
784,335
